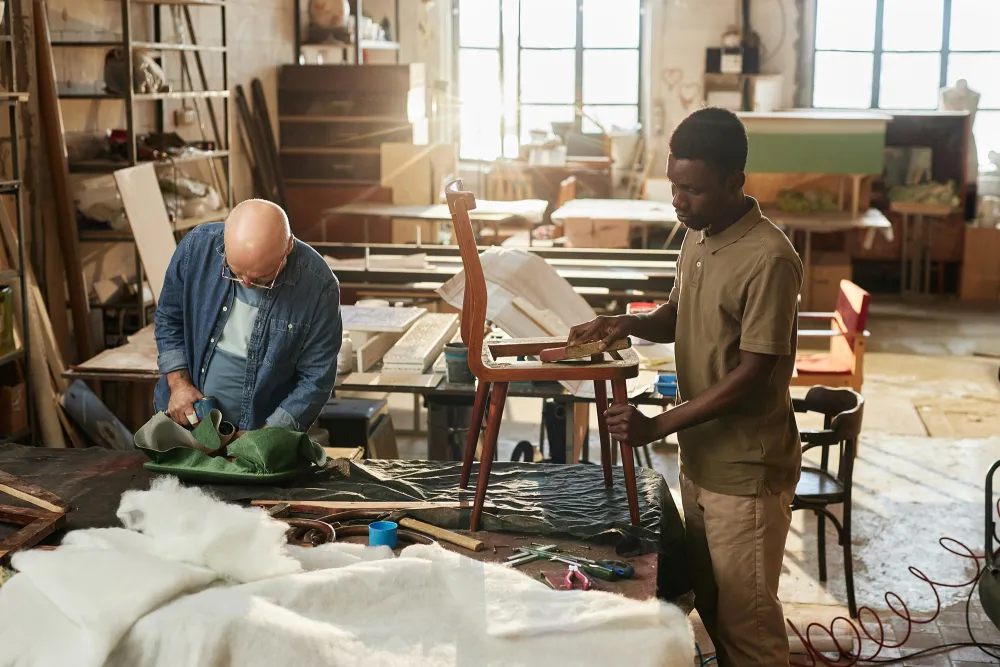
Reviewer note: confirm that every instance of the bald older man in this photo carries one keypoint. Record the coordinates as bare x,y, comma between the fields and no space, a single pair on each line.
251,316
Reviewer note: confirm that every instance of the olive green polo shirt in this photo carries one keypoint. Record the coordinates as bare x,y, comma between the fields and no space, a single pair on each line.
738,290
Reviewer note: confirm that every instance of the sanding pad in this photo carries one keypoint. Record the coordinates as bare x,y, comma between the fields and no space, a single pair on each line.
582,350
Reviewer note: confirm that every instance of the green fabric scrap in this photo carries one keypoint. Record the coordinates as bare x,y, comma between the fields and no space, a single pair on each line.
264,455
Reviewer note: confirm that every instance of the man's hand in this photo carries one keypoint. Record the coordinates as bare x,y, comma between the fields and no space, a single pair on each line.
626,424
605,329
183,395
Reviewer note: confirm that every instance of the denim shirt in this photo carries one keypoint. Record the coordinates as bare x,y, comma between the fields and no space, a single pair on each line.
292,356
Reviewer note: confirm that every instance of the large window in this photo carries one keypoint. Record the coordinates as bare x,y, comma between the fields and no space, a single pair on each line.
523,64
898,54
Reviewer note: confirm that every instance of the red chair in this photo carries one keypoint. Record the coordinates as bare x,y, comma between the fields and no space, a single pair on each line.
843,365
492,373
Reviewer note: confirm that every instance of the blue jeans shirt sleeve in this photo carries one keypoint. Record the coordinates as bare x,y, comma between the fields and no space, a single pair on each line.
169,318
316,366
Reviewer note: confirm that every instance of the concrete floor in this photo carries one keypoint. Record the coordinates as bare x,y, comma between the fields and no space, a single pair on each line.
932,429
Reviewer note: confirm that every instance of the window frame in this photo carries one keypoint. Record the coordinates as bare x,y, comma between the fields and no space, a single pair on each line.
877,52
579,51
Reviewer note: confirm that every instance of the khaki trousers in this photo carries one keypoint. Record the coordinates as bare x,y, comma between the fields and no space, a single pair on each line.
735,545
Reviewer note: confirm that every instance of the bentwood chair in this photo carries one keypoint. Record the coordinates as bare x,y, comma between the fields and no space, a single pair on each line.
819,488
495,364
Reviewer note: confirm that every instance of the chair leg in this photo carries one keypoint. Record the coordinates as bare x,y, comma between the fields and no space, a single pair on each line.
601,396
821,545
845,537
478,408
620,392
489,448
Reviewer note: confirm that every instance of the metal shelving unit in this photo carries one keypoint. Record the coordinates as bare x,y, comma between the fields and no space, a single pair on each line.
359,45
186,46
11,98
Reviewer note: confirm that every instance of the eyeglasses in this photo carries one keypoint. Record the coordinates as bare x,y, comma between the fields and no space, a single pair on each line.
227,273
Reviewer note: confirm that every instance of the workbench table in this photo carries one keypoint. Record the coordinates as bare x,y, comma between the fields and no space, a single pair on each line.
638,211
871,222
466,393
532,211
546,504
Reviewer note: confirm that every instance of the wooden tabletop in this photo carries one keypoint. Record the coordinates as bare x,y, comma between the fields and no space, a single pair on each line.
828,222
532,210
632,210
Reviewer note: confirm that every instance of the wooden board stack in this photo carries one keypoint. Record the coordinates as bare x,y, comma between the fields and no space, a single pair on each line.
374,330
421,344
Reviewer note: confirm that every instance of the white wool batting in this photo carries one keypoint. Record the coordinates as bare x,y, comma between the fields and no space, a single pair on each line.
206,583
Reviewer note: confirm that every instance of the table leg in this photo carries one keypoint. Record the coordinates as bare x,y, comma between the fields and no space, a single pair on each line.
645,236
927,256
904,251
570,413
915,259
581,425
856,196
601,396
807,270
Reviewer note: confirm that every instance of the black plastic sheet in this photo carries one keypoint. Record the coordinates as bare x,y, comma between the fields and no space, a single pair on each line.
523,498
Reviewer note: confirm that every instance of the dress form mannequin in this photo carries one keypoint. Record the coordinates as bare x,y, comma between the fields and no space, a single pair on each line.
962,98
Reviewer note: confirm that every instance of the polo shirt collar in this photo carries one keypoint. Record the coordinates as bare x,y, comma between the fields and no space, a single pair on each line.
736,231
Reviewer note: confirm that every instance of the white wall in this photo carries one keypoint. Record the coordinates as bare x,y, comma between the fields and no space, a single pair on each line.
679,32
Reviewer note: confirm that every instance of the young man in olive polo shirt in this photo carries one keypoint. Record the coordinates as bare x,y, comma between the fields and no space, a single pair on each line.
732,313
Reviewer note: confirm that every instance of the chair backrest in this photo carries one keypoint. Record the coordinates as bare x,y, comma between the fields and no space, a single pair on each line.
852,308
507,182
843,411
460,202
567,191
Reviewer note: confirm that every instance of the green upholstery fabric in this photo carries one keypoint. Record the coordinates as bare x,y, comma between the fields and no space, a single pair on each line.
265,455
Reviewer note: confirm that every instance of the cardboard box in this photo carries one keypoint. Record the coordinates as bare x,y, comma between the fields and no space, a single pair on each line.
587,233
13,409
6,320
981,265
828,269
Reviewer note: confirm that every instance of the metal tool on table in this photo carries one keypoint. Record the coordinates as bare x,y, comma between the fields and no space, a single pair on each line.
606,569
522,556
574,576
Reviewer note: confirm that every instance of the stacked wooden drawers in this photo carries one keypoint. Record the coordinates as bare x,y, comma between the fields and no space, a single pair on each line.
333,120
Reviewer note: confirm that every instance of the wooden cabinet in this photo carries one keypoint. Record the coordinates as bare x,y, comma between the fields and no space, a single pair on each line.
981,265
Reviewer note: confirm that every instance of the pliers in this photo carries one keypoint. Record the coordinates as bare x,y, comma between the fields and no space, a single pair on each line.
574,576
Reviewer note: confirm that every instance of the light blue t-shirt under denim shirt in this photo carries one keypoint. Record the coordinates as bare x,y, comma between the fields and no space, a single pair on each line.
291,355
227,368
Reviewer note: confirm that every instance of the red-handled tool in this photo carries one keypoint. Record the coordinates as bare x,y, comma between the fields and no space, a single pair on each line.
574,576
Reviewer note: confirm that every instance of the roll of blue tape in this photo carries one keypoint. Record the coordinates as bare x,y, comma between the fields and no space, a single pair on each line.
205,405
382,532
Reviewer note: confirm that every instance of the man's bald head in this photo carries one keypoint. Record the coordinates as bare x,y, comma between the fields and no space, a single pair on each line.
258,238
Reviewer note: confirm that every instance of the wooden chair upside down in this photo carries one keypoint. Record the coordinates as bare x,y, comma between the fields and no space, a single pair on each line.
494,375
